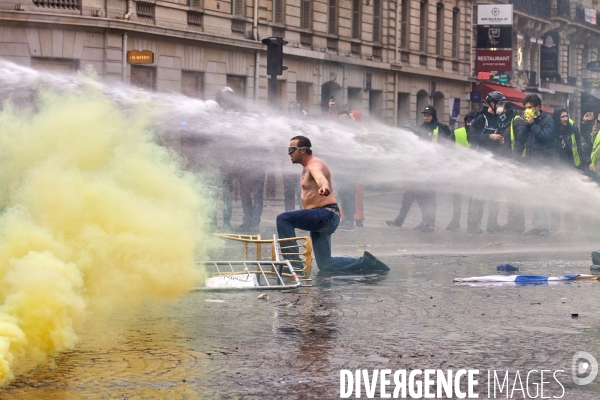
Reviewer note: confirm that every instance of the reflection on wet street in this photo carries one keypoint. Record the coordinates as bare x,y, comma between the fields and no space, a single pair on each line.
233,345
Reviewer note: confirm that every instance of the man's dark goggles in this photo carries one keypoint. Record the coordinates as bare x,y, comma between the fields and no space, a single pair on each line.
294,148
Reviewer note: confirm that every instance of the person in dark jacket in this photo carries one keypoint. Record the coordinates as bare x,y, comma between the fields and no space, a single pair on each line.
570,155
496,129
539,138
431,129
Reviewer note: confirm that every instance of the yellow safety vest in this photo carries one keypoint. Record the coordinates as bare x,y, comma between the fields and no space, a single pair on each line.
512,137
434,139
596,152
460,137
576,159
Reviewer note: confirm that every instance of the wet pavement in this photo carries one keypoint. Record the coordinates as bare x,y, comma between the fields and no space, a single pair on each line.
213,345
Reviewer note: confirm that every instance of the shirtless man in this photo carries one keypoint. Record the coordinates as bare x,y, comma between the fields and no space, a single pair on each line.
321,214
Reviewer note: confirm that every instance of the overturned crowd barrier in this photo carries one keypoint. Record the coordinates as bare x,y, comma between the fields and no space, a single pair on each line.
259,274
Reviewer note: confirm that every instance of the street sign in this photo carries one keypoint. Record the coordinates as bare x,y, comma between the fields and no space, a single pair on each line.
591,83
494,37
475,97
494,14
493,60
140,57
594,66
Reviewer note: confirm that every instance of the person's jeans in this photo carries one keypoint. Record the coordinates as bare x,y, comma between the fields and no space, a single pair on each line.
321,223
252,194
541,218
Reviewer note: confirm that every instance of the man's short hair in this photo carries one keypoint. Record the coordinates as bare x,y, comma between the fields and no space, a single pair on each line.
303,141
534,99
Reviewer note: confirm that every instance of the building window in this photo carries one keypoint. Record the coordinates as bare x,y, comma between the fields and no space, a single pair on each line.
279,12
439,30
404,25
237,84
303,95
143,77
238,7
305,14
455,32
192,84
60,65
332,28
377,21
423,26
356,11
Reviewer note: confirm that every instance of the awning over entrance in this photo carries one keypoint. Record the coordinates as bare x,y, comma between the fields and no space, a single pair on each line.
514,96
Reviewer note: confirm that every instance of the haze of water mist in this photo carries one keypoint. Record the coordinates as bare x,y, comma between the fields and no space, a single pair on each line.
96,214
379,155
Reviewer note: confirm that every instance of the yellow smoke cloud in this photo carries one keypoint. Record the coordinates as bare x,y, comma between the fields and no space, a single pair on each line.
95,214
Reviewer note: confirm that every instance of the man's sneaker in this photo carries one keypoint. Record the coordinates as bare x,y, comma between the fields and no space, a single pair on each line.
427,228
493,228
514,228
358,223
394,223
347,226
454,225
544,232
372,263
534,231
419,227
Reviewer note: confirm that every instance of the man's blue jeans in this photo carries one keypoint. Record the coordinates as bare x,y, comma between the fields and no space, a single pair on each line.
321,223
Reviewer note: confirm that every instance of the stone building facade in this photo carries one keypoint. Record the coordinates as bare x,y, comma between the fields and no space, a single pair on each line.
577,24
388,59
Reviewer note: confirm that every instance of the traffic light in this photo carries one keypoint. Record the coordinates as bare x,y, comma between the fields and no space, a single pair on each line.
275,55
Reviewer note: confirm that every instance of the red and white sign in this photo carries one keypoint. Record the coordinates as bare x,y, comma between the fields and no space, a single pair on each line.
493,60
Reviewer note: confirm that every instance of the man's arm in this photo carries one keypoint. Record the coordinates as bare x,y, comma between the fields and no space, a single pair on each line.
317,171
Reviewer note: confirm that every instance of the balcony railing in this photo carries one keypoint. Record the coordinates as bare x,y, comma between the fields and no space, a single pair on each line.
576,12
562,8
58,4
144,10
540,8
194,18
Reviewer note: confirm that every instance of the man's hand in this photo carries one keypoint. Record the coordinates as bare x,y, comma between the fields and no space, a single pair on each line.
496,136
324,191
528,119
589,116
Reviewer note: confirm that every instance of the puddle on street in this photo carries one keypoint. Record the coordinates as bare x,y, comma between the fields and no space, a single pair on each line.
233,345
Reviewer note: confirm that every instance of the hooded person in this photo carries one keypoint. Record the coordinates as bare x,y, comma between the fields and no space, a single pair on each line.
568,140
431,129
459,137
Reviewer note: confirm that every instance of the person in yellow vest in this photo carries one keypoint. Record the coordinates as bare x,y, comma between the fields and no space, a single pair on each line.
569,154
434,130
568,139
594,164
459,136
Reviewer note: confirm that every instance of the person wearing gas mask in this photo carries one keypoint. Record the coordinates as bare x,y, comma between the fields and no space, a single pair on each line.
496,129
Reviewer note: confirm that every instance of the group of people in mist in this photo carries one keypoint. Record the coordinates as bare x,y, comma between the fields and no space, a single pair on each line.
532,138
